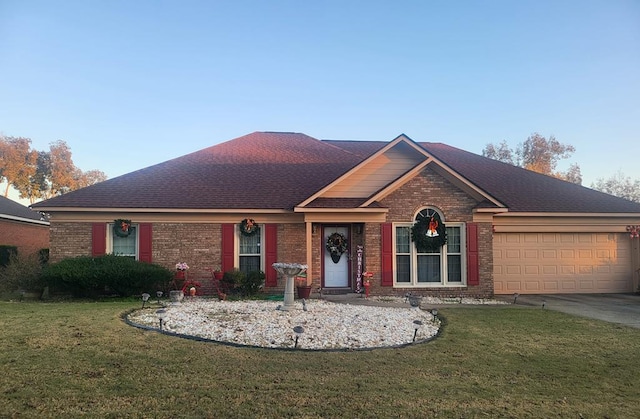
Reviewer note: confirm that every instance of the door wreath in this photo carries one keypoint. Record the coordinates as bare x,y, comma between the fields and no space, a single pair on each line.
336,245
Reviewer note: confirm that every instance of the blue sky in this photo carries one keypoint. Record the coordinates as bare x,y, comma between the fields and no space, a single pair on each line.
128,84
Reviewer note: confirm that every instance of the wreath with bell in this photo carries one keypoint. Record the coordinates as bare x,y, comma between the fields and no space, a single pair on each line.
429,234
336,245
248,227
122,228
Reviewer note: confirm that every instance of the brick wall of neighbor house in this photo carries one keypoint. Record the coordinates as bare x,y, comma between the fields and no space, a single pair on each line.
28,238
430,189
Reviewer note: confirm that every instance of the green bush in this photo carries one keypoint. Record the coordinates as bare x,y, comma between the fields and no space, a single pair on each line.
22,273
232,279
86,276
252,283
6,252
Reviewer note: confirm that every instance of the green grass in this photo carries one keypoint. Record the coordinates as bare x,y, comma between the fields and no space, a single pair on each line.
76,359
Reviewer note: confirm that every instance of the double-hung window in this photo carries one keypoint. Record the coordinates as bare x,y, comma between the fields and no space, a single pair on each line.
433,268
123,246
250,255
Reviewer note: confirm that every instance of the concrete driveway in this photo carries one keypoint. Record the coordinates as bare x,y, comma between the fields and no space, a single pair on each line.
615,308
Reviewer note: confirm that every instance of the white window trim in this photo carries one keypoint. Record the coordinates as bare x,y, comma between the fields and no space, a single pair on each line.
109,245
443,258
236,252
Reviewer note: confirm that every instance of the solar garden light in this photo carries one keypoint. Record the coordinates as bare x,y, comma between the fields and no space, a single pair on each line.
417,324
544,303
145,298
298,330
162,314
434,313
515,297
159,295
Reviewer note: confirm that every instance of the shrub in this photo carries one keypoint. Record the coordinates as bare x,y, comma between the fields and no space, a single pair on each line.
252,283
86,276
231,280
22,273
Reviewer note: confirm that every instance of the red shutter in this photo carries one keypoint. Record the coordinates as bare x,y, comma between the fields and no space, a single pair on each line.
228,246
473,265
270,254
387,255
98,239
144,242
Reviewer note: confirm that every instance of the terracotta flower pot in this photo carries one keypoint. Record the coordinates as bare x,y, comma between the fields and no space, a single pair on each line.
304,291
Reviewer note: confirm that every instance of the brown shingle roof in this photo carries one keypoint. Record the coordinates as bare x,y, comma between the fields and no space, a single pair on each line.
269,170
265,170
12,209
519,189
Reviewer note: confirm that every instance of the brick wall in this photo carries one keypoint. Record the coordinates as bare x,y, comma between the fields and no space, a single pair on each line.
69,240
28,238
430,189
199,244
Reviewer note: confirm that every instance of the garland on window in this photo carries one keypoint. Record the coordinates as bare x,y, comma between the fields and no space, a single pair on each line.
122,228
336,245
429,234
248,227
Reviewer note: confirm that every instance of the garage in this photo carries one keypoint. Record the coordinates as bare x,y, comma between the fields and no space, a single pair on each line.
557,263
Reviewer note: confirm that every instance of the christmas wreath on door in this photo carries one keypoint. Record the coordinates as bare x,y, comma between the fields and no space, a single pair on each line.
336,245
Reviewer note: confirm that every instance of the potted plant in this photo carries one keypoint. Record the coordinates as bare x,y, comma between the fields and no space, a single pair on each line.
304,289
191,287
181,270
217,273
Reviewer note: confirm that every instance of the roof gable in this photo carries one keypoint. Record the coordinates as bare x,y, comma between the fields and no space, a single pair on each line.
389,167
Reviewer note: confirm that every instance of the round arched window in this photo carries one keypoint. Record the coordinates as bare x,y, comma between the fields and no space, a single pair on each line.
428,232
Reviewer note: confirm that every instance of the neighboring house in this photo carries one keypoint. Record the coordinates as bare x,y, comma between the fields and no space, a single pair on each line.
21,227
508,229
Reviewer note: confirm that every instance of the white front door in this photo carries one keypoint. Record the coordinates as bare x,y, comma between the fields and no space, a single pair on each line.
336,275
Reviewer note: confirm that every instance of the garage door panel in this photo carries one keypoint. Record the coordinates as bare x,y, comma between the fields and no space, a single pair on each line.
562,263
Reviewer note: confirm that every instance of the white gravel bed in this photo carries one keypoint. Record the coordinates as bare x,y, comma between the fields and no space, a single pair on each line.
326,325
442,300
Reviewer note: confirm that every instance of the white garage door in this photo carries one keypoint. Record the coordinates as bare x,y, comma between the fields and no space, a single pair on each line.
556,263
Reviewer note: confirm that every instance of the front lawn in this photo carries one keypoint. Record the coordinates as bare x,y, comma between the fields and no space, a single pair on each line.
80,359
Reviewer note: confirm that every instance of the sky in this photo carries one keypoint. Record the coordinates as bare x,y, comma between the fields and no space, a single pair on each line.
128,84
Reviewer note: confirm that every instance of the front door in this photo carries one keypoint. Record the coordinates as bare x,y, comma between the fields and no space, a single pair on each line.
336,270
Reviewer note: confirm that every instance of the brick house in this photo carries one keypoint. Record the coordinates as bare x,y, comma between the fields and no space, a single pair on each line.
21,227
388,205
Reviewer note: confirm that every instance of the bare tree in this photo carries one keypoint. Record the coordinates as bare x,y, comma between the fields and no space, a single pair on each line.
537,154
619,185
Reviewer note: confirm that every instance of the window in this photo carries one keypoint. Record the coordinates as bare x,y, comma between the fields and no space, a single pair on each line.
442,267
250,252
123,246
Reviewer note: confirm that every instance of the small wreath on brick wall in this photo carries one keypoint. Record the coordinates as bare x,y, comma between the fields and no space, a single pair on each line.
122,228
248,227
336,245
429,234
